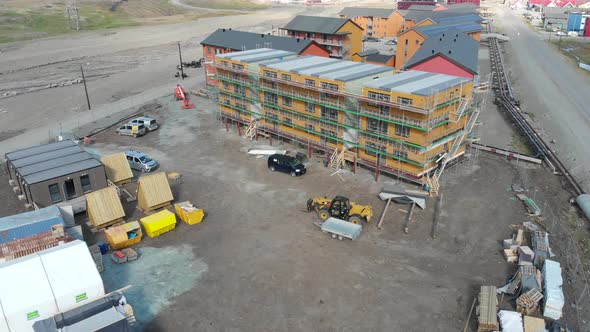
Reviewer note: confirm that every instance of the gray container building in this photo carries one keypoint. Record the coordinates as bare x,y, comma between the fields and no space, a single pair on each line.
54,173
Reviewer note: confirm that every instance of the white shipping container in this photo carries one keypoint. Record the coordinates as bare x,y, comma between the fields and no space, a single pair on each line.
72,273
25,294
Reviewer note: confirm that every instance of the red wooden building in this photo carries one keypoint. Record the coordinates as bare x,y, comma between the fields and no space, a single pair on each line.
452,53
228,41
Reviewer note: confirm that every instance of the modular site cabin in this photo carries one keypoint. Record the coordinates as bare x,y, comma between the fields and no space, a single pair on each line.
55,173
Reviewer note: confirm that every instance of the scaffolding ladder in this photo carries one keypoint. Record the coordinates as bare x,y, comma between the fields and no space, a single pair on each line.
339,157
251,130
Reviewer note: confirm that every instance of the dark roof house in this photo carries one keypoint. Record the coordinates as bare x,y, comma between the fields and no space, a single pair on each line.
454,46
421,15
435,29
350,12
327,25
242,41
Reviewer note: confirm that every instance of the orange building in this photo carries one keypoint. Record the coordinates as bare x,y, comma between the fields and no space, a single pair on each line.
410,41
377,22
341,36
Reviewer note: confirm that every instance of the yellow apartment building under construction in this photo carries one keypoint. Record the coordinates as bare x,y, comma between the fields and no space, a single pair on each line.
406,124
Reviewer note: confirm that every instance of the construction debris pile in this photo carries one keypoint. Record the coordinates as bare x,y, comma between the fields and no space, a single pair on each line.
533,291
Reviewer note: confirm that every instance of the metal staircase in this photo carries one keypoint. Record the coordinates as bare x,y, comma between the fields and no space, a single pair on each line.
433,182
465,102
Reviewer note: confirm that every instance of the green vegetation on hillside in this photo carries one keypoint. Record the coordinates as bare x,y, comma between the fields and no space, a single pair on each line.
225,4
30,21
580,51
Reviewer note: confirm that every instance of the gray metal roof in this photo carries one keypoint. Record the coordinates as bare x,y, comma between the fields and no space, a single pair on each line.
356,73
299,64
437,29
368,52
421,15
45,156
37,149
327,25
256,55
351,12
62,171
49,161
381,58
417,82
453,45
242,40
422,7
30,217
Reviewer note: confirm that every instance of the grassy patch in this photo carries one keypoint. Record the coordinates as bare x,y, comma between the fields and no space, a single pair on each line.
29,22
520,146
225,4
579,51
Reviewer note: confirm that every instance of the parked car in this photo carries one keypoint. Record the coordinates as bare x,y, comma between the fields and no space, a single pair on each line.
150,123
572,34
391,42
141,161
371,39
561,33
131,130
286,164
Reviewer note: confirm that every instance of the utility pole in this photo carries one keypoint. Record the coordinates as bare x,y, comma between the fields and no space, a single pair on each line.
180,55
85,88
72,10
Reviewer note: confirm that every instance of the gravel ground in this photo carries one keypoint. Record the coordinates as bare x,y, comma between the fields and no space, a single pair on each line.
258,253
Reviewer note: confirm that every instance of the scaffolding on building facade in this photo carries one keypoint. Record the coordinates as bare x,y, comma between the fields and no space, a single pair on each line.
244,92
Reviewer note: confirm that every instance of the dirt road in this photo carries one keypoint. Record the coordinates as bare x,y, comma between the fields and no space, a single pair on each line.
39,80
552,90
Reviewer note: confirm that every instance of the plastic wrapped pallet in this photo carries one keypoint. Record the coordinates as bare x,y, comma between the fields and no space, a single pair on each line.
552,281
510,321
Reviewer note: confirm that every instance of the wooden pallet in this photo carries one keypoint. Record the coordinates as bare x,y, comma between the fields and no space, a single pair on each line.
487,309
158,208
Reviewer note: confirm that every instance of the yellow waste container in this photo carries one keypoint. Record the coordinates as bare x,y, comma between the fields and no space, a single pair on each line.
159,223
189,213
124,235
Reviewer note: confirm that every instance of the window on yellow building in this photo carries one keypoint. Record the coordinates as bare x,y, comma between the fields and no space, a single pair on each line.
288,122
329,136
329,86
309,82
404,101
329,113
270,98
309,128
287,101
270,74
372,149
285,77
378,96
309,107
402,130
400,154
376,126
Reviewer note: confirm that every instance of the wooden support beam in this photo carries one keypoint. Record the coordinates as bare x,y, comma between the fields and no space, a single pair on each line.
383,214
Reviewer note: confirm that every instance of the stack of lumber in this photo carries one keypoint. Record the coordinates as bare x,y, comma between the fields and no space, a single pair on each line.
117,168
153,192
487,309
104,207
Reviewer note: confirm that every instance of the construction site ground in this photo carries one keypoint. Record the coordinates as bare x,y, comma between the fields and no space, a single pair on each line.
258,254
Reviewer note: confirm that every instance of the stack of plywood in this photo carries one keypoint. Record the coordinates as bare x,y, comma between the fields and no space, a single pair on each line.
533,324
104,207
487,309
153,192
117,168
